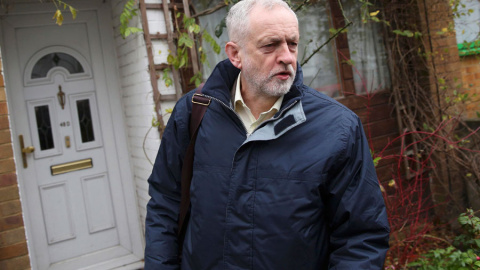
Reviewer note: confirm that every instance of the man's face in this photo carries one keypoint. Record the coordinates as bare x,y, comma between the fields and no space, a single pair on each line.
269,52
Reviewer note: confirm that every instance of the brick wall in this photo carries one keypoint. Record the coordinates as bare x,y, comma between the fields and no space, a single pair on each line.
444,64
137,95
470,66
13,244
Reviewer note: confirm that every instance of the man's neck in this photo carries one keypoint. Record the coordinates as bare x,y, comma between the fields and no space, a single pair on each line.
255,101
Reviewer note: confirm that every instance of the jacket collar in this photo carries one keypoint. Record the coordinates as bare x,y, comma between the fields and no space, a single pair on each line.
221,81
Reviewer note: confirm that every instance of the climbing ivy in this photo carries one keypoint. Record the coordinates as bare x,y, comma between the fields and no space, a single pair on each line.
129,11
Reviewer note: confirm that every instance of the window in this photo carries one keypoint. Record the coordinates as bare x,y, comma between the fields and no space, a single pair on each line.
52,60
353,63
85,120
467,27
44,127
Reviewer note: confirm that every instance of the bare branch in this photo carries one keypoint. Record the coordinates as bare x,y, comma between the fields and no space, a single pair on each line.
325,43
210,10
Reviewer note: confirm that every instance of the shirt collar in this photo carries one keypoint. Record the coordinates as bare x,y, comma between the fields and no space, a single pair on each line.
239,99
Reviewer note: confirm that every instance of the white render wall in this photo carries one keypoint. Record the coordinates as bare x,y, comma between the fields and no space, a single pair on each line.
137,95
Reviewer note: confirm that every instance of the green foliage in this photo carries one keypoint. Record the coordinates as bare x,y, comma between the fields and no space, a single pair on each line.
458,8
335,32
463,254
456,97
155,122
129,10
196,78
376,160
219,28
185,42
58,16
166,77
407,33
211,41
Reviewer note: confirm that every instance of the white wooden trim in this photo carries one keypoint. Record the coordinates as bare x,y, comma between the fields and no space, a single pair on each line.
97,130
57,149
134,222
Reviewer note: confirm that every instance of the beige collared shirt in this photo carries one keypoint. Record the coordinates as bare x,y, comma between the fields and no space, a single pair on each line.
246,115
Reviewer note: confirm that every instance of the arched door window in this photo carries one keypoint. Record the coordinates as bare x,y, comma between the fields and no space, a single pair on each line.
56,59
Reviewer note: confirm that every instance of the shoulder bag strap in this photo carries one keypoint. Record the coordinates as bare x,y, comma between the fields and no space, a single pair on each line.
199,107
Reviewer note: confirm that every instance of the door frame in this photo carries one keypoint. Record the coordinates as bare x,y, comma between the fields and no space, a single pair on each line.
13,75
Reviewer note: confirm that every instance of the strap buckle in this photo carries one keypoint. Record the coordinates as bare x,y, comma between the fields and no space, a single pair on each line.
200,99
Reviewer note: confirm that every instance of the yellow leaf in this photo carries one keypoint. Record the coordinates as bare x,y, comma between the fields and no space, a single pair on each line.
169,110
73,11
391,183
382,189
59,17
373,14
444,29
56,14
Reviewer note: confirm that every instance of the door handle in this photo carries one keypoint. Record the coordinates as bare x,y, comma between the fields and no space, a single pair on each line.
25,150
28,149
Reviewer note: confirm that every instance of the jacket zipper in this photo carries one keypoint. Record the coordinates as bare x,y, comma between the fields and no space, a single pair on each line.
269,120
231,109
231,171
262,124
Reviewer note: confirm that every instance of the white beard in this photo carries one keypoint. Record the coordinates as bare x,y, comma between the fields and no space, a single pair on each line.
268,86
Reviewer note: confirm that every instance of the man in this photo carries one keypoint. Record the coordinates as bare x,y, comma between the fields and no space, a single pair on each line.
282,175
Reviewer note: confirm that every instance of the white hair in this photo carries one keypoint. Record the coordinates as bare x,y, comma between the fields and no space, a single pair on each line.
238,16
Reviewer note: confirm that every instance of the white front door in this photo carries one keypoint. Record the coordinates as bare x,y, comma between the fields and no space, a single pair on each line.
78,203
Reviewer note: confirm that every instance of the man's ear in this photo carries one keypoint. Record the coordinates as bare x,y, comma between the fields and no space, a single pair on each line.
233,52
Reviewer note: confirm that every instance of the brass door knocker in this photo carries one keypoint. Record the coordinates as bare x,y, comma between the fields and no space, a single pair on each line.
61,97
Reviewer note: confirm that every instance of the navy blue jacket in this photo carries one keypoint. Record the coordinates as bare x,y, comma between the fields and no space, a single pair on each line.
299,193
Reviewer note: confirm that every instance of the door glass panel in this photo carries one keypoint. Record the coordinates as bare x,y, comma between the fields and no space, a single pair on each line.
56,59
44,127
85,120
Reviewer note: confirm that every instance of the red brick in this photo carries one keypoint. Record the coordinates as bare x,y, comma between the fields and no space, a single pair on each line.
7,165
8,179
11,222
2,94
469,77
11,237
10,208
3,107
444,42
2,82
5,136
4,123
9,193
6,151
13,251
18,263
473,69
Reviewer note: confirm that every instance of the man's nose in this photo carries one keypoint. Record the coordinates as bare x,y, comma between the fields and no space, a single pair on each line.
285,55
